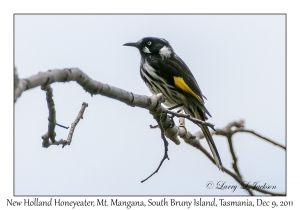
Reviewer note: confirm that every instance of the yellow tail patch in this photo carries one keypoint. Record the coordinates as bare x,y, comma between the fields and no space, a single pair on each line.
180,83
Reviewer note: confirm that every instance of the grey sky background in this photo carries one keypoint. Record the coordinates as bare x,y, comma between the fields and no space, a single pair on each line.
238,61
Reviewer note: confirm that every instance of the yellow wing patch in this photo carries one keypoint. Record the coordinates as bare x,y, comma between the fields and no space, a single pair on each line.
180,83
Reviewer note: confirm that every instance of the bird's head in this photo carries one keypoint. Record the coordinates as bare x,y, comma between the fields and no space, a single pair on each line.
152,45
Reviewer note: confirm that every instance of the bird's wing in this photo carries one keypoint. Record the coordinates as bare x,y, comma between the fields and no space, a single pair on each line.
185,73
179,74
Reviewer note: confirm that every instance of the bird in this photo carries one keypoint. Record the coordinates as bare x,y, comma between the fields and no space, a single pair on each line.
165,72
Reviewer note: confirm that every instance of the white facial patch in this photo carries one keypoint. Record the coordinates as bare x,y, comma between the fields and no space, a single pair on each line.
165,52
146,50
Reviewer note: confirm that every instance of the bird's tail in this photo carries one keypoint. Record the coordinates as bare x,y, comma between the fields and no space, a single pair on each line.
200,113
212,146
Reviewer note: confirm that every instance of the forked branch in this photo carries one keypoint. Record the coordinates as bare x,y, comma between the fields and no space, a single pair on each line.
50,134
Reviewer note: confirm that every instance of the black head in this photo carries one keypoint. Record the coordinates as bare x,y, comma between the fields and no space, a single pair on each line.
152,45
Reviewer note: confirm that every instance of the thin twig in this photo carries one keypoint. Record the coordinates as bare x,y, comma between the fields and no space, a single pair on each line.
234,158
236,177
62,126
240,128
158,119
174,107
260,136
194,120
73,125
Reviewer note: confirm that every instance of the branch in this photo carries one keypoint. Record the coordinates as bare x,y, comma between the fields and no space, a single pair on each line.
158,119
241,182
227,132
153,104
194,120
194,140
234,158
72,129
88,84
52,121
259,136
239,125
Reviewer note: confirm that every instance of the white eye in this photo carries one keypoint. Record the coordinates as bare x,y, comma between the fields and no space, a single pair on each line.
149,43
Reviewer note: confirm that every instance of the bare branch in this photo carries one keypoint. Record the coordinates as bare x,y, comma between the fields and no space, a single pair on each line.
241,182
166,149
194,120
234,158
153,104
239,125
227,132
193,140
88,84
72,129
52,119
259,136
